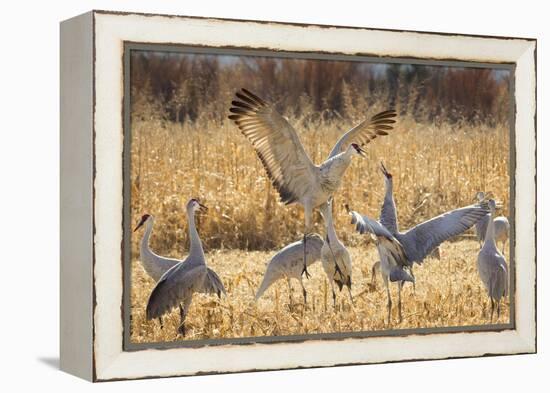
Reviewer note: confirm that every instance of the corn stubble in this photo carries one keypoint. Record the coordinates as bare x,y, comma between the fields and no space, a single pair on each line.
435,169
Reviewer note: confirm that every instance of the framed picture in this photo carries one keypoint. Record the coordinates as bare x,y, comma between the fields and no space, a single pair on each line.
245,195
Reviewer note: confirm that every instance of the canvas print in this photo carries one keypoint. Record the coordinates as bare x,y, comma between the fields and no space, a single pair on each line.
279,196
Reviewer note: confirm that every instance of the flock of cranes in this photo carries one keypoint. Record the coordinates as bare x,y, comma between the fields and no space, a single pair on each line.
298,180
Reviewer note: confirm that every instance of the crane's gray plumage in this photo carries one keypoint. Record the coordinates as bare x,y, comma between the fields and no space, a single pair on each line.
421,240
288,263
154,265
501,226
388,214
179,283
492,266
400,250
393,264
285,160
335,257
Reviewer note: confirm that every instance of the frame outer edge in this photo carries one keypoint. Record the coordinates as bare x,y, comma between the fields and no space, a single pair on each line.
76,237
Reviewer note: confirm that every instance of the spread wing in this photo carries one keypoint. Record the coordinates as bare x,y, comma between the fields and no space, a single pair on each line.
388,246
365,131
422,239
365,224
276,143
175,286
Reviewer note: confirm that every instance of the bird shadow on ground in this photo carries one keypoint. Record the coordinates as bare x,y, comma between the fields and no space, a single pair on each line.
50,361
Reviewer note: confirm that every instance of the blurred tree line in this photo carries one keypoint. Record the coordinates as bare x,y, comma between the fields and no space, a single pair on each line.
191,87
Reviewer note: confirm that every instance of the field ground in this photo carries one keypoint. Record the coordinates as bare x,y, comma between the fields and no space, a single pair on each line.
448,293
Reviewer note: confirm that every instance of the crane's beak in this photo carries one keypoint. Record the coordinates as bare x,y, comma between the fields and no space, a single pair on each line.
384,171
139,225
202,208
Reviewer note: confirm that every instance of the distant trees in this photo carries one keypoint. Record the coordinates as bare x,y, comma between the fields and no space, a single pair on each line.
188,87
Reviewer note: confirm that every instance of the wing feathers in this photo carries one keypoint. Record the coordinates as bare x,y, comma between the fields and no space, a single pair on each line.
366,131
422,239
276,144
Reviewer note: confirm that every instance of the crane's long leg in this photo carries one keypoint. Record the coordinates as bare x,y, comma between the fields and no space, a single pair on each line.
414,279
338,270
289,290
374,268
491,296
388,293
333,293
351,296
308,215
303,290
183,314
399,286
161,324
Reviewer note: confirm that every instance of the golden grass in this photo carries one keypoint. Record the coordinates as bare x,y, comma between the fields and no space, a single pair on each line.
435,170
448,293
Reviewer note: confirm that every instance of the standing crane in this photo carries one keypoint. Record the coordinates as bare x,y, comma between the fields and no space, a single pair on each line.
335,256
423,239
501,226
189,276
393,264
420,241
491,265
286,162
155,265
287,263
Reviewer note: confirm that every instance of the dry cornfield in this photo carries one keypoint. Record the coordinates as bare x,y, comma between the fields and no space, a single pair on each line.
435,169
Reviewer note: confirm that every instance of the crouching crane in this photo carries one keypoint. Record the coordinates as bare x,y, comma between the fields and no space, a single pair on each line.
288,263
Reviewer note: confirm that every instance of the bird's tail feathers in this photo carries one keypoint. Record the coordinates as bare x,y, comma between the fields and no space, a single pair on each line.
215,283
399,274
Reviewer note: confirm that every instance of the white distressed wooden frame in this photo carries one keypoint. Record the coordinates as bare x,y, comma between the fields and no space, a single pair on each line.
91,194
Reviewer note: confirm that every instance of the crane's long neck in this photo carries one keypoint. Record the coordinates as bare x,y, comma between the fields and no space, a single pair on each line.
144,249
389,205
194,239
326,210
490,234
389,189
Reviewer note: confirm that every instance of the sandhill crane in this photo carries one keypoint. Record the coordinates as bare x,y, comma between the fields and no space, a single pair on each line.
154,265
418,242
285,160
288,263
436,254
335,256
393,264
501,226
421,240
492,267
189,276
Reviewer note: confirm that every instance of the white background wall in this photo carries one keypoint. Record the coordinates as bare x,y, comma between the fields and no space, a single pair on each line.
29,199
